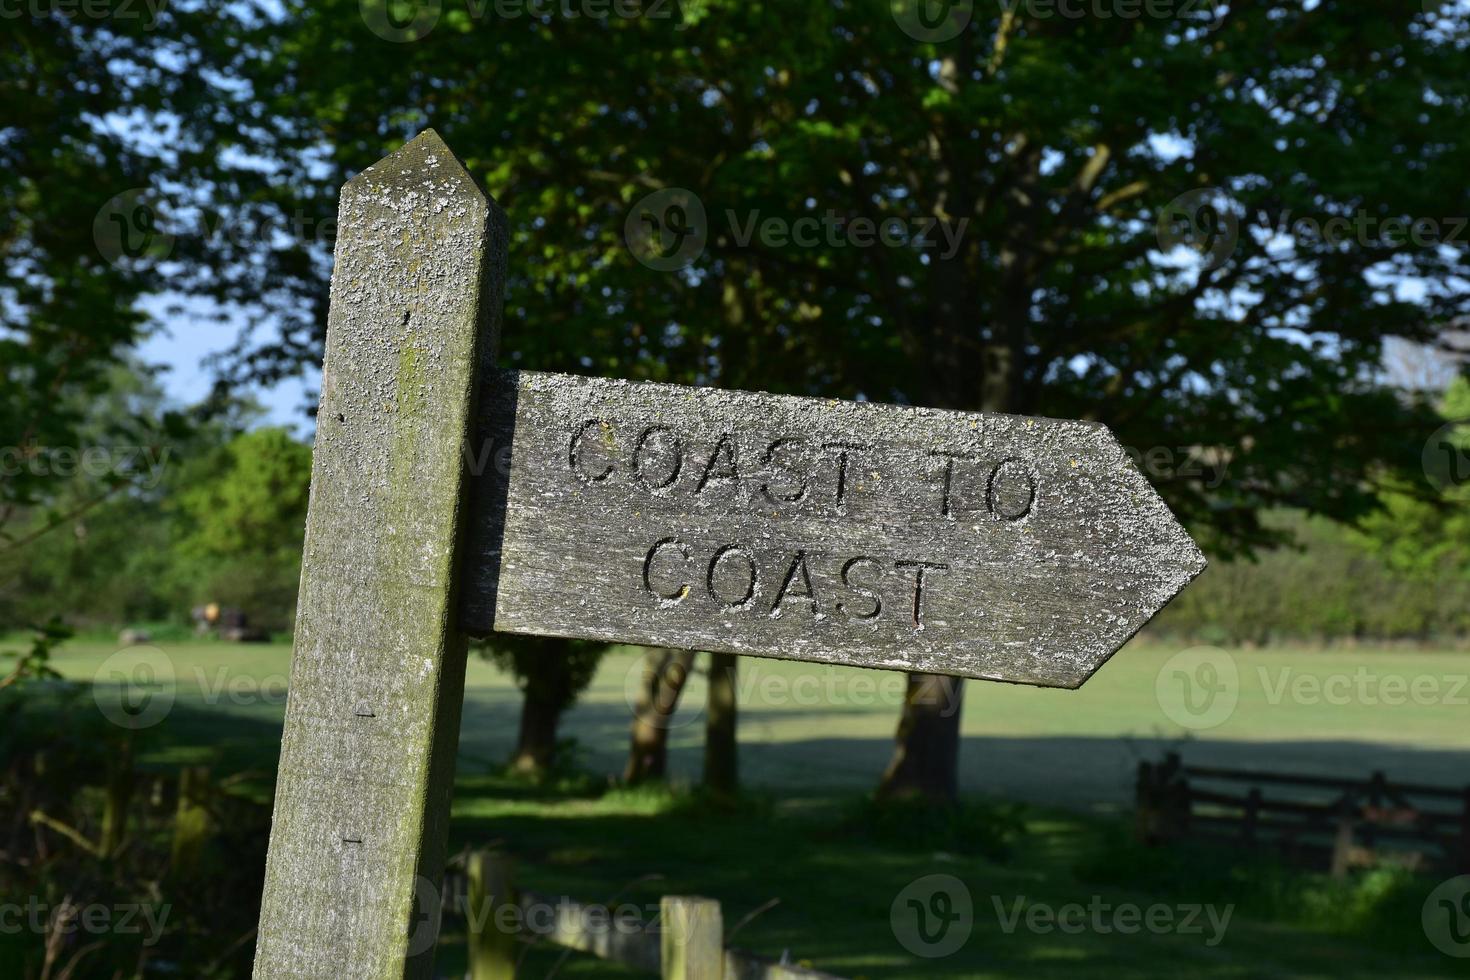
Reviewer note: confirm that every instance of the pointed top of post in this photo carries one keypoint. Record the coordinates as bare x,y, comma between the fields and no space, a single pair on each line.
424,162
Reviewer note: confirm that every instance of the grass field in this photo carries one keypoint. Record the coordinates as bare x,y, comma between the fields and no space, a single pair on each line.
831,728
813,740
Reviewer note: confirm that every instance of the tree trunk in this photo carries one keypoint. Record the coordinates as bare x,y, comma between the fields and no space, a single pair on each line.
552,672
926,757
121,778
536,744
664,675
968,367
721,755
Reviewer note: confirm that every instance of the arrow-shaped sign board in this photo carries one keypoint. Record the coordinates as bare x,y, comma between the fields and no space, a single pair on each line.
979,545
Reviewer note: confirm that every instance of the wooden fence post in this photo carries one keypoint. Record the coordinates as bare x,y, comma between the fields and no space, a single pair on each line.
1172,795
1146,805
1344,844
122,777
492,943
693,939
1252,817
377,676
191,821
1377,799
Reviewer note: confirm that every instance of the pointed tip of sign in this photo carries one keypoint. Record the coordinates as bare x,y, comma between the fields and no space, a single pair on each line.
1154,511
1192,559
425,157
429,141
1201,562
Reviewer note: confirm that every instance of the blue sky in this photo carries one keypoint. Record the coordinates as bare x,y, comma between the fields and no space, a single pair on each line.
185,342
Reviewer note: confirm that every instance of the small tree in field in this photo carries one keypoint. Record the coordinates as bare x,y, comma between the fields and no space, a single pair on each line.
552,673
244,511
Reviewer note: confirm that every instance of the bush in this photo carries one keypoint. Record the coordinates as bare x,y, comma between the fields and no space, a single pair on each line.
170,862
990,830
1372,905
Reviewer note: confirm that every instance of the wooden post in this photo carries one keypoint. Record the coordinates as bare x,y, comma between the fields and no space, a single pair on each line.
1377,798
1146,805
121,778
1173,793
492,946
377,676
1345,845
1251,822
191,822
693,939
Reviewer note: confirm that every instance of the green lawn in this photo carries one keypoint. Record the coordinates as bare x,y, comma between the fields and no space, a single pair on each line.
815,738
830,728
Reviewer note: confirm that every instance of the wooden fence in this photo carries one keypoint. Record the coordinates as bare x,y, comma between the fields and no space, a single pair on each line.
1321,822
686,941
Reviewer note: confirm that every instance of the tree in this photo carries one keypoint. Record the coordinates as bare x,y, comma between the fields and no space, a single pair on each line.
105,523
665,672
244,509
721,753
1053,163
85,518
1424,532
78,243
552,673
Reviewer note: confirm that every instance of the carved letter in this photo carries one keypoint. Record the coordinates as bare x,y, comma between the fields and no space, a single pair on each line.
574,457
843,451
678,594
920,567
798,567
729,472
770,461
1011,491
735,553
861,590
649,434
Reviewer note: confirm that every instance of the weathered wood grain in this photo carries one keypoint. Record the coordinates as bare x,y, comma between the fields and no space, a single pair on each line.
605,934
491,947
377,675
977,545
590,928
692,941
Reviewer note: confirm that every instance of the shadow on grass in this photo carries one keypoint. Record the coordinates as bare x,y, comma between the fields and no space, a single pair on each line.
839,874
839,868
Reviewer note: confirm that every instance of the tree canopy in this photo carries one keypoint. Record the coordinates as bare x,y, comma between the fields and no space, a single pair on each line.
1199,224
1051,161
88,101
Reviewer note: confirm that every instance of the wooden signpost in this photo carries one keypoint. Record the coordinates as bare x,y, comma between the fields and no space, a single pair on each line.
987,546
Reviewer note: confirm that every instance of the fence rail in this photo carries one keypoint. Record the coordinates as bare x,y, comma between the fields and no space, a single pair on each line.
685,942
1333,824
